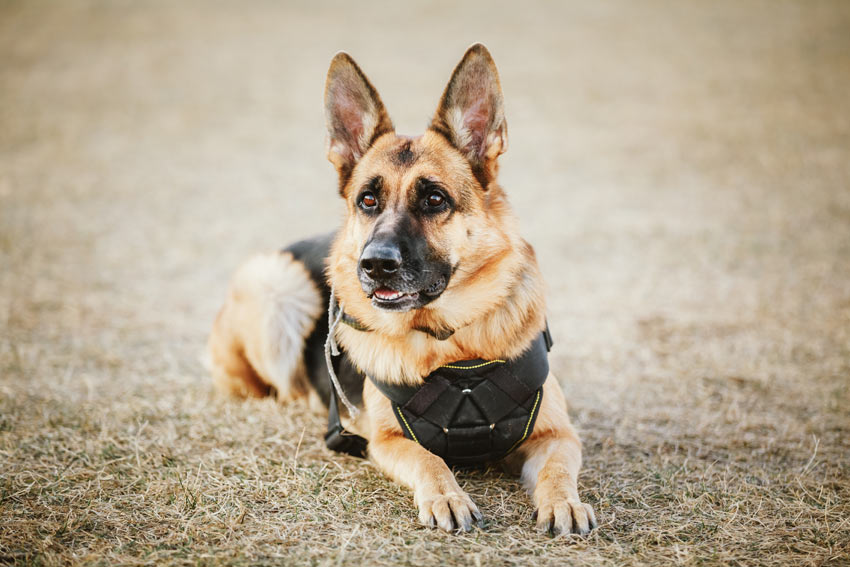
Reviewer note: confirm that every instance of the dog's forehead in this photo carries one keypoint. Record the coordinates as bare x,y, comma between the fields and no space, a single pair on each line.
428,154
402,152
400,160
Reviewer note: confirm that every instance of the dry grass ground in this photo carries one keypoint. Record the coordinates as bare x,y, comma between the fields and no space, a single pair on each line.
683,169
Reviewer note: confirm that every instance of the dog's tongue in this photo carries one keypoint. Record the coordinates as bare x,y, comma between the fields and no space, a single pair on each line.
387,294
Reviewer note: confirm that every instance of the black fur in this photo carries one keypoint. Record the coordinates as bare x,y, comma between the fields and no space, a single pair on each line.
313,253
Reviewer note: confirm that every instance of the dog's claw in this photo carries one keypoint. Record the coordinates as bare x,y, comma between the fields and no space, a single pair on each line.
454,512
591,516
479,519
564,518
544,519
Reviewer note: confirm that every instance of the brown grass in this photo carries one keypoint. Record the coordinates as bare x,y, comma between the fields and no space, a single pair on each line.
683,170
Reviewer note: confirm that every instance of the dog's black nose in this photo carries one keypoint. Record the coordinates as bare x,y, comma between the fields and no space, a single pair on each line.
380,260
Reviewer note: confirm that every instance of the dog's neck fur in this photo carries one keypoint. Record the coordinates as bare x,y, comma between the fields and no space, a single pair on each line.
496,309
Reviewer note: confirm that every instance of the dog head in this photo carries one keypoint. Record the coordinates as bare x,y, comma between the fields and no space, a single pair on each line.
425,214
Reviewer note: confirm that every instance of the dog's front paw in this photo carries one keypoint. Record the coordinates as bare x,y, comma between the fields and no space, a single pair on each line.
449,511
565,517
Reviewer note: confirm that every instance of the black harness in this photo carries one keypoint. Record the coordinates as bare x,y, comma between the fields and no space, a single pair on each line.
468,412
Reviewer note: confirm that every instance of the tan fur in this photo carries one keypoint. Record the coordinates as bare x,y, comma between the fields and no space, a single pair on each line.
494,303
257,339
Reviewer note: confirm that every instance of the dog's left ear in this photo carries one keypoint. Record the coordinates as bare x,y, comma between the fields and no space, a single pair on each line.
471,113
354,114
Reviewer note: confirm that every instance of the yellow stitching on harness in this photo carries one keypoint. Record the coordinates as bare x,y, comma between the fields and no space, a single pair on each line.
528,424
401,415
472,367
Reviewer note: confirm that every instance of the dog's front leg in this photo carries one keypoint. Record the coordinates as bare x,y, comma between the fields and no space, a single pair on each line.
550,461
441,501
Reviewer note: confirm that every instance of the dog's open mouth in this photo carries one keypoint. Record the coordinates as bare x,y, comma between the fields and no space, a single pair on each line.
388,298
386,294
394,300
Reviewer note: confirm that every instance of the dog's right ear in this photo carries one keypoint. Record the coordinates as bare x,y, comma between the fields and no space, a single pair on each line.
354,114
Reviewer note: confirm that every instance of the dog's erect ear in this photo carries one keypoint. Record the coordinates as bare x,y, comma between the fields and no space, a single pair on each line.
471,113
354,114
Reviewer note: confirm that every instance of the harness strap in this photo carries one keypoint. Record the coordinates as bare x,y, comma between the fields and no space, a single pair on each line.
354,323
331,349
509,384
427,395
338,438
439,334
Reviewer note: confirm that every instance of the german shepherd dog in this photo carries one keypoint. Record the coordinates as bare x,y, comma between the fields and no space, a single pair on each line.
430,265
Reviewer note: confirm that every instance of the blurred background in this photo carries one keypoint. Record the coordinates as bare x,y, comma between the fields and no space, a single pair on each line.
682,169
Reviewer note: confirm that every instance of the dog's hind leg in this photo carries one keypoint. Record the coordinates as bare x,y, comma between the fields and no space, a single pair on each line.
257,341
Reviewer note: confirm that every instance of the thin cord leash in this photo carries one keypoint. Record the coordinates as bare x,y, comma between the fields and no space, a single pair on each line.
332,349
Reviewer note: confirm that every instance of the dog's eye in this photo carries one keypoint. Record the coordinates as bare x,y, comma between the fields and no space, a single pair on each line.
368,201
435,200
431,197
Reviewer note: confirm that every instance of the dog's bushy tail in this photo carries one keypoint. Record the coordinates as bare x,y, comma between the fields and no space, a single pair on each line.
257,342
